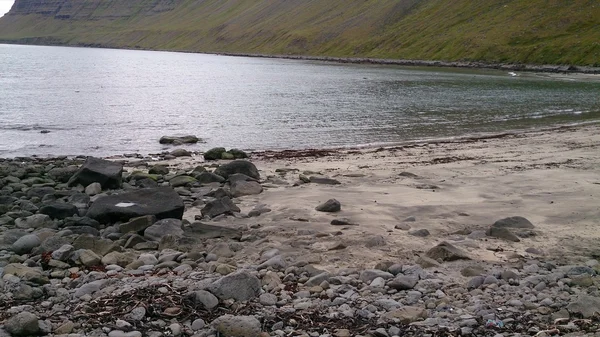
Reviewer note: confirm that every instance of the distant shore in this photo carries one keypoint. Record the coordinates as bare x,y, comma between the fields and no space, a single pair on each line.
541,68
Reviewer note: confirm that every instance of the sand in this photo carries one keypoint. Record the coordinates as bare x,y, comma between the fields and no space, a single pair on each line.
550,177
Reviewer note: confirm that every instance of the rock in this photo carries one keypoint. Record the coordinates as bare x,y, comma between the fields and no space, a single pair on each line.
59,210
402,226
209,177
404,282
240,286
26,273
181,153
51,244
40,192
162,228
203,297
343,222
175,140
23,324
63,253
237,326
214,153
475,282
220,206
163,202
472,271
182,181
323,180
367,276
330,206
93,189
25,244
240,188
98,245
227,156
119,258
120,333
65,328
95,170
137,225
198,324
159,169
35,221
275,263
426,262
502,233
490,279
238,154
62,174
268,299
88,258
375,241
420,233
317,279
238,166
204,231
514,222
258,210
406,315
447,252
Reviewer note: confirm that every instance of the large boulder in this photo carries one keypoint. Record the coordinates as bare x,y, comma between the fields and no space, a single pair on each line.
95,170
220,206
163,202
23,324
214,153
240,286
447,252
514,222
238,166
240,188
178,140
59,210
162,228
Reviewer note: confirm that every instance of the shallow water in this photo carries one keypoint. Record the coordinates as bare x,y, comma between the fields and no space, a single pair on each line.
103,101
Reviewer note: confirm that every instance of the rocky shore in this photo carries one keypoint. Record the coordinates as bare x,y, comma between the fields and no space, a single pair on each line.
493,237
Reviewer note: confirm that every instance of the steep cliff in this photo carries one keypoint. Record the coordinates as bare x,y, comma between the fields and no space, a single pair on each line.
534,31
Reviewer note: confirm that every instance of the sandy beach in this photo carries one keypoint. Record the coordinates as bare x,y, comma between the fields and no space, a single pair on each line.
550,177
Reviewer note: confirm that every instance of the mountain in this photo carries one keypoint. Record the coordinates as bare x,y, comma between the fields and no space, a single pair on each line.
509,31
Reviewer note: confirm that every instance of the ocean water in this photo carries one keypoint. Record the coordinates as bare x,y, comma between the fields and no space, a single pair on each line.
72,101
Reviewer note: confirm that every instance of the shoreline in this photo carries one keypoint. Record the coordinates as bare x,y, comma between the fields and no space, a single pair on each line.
540,68
467,138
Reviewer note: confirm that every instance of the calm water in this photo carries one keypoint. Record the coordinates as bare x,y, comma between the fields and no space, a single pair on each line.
104,102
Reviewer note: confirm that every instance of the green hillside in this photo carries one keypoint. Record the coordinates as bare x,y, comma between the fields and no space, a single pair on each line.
533,31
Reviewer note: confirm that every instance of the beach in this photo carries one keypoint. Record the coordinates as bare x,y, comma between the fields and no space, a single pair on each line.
492,235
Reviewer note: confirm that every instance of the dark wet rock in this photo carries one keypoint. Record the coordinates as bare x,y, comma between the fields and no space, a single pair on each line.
447,252
209,177
181,153
137,225
159,169
241,188
420,233
238,166
164,227
163,202
240,286
220,206
258,210
82,221
59,210
502,233
182,181
324,180
175,140
238,154
40,192
408,175
7,200
214,153
146,183
95,170
219,193
83,230
51,244
330,206
343,222
514,222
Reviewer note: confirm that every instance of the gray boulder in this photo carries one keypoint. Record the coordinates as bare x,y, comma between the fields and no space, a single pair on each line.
585,305
238,166
25,244
162,228
237,326
163,202
35,221
220,206
23,324
95,170
204,298
208,177
175,140
502,233
447,252
330,206
138,224
514,222
214,153
240,188
240,286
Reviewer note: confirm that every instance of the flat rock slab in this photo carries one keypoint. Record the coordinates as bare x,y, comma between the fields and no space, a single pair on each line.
95,170
204,231
163,202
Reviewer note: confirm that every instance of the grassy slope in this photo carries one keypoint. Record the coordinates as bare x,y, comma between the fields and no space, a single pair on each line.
532,31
